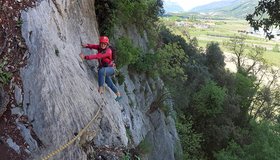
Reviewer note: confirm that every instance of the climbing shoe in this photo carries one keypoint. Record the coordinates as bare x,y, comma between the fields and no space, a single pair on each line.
118,98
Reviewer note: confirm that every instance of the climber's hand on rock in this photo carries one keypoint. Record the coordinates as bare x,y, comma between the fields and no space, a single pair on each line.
82,56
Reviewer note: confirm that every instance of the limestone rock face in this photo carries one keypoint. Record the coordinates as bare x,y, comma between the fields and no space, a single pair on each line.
60,90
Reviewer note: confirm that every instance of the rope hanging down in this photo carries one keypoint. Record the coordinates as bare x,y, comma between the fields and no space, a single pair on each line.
61,148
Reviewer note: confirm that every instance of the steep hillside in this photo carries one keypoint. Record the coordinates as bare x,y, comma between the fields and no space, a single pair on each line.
234,8
58,95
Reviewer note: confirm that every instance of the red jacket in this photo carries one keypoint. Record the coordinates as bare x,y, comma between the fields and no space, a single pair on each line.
104,56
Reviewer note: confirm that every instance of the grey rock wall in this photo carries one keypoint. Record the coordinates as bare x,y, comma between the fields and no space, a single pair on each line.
60,91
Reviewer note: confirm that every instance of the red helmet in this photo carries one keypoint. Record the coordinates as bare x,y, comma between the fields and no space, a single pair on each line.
104,39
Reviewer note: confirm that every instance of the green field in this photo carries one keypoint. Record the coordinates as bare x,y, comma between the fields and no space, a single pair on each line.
221,31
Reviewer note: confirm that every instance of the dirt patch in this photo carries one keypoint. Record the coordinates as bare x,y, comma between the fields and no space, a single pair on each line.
13,55
9,129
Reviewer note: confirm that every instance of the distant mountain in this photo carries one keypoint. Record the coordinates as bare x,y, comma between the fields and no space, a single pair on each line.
171,7
234,8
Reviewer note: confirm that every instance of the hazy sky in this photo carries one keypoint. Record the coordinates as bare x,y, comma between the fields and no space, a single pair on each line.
189,4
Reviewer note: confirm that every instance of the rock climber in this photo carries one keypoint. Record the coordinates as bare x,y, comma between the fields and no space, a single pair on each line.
106,66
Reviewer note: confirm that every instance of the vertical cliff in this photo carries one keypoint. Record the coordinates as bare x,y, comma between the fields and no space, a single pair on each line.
60,91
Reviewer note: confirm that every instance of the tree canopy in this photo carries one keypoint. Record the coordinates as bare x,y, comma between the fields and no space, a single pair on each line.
266,16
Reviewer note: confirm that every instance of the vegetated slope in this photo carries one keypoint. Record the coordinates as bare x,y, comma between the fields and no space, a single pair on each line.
233,8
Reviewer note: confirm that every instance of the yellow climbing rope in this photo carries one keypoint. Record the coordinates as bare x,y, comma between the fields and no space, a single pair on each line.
61,148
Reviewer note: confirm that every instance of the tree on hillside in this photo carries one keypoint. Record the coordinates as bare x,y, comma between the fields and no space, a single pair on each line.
215,61
237,46
111,13
168,37
266,16
266,102
171,59
256,54
245,89
190,140
259,94
209,100
265,144
214,56
247,62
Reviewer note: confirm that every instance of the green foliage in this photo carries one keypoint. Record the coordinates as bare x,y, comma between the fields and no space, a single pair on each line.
256,54
128,13
127,53
245,88
267,106
121,78
171,59
265,144
105,13
145,63
129,135
178,152
19,23
5,76
227,29
233,152
214,57
265,16
145,146
220,111
143,14
165,109
209,99
168,61
168,37
161,103
190,140
237,46
129,156
215,62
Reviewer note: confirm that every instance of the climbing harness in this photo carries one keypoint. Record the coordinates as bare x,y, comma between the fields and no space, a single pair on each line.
73,139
